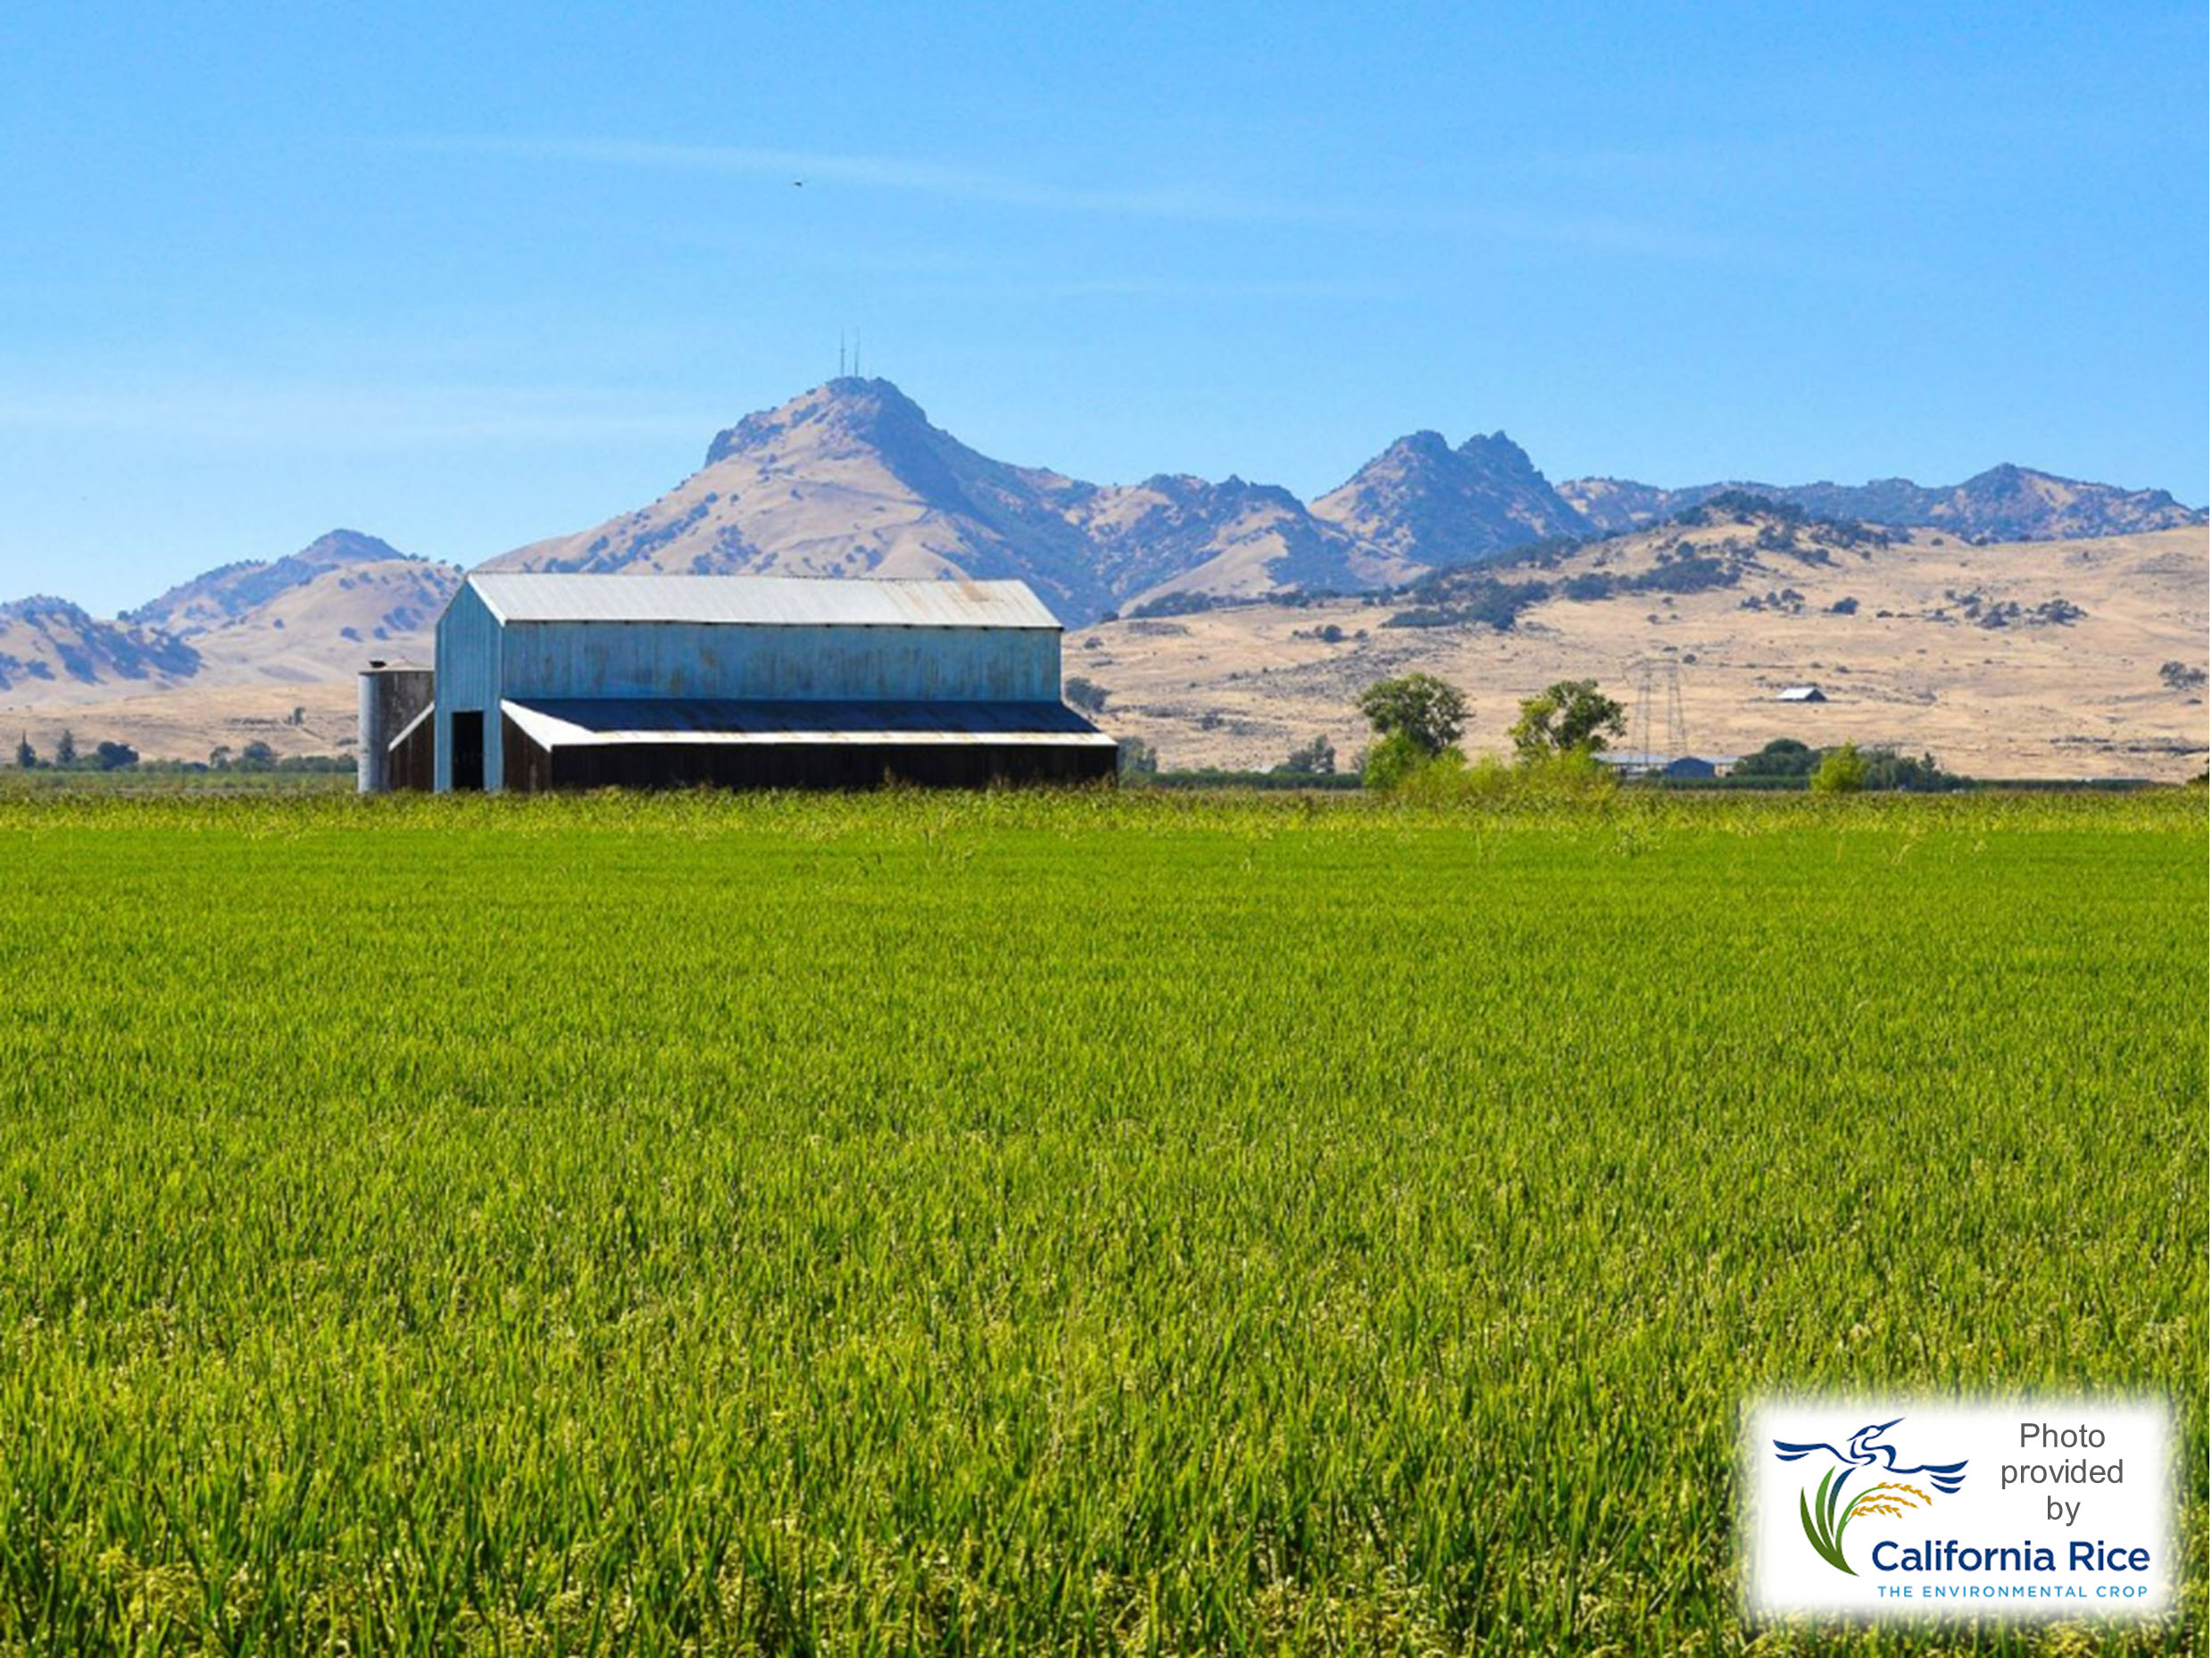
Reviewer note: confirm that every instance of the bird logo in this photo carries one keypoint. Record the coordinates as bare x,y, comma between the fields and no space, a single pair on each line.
1825,1513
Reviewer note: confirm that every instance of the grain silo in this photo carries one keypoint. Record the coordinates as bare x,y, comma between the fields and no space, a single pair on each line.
565,681
394,751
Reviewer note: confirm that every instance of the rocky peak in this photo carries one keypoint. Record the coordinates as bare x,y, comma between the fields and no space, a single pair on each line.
338,548
1498,450
871,412
1421,499
1421,445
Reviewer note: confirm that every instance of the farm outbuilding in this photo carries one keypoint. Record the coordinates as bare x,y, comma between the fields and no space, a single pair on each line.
1801,694
1632,764
567,680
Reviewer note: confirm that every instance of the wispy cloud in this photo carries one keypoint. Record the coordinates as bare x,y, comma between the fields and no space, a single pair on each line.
881,172
1148,288
1564,227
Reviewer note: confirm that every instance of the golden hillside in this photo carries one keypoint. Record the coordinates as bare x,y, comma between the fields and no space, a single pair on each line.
1926,642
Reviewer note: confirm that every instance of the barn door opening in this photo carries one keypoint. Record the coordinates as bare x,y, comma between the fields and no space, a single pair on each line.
469,751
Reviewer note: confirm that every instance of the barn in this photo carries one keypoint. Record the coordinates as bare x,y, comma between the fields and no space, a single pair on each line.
565,681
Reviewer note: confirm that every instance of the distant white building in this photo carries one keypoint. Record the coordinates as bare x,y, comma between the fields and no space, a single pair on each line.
1801,694
1631,762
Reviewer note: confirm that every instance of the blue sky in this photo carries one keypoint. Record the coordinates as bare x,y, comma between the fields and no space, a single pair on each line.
468,276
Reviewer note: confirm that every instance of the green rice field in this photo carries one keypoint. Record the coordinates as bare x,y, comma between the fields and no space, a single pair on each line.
1069,1224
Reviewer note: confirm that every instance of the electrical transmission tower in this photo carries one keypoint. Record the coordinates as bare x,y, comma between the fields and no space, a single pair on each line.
1659,682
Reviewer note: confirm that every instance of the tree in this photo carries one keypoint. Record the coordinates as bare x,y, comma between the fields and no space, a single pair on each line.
1138,757
1421,708
1315,759
1385,767
1843,772
65,748
1888,769
1784,757
1086,694
256,756
1571,717
218,757
114,756
2179,676
26,757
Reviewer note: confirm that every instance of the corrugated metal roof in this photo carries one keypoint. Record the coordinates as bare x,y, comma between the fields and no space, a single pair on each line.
566,722
760,601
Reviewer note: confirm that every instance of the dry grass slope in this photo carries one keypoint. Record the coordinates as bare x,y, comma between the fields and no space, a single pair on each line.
1909,660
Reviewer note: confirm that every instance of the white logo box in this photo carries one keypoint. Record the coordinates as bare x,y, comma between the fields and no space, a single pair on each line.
2036,1508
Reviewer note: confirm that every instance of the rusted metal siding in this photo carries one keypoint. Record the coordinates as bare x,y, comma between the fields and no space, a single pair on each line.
468,679
782,663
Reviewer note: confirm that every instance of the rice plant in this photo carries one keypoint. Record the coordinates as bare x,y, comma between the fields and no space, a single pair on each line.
1051,1223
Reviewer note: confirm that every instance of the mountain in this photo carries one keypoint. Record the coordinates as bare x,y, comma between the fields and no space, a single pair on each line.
50,644
1611,506
2055,658
1170,537
311,616
320,612
852,478
231,590
1426,502
2004,503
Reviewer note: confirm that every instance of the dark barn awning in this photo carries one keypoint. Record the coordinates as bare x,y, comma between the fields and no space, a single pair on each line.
598,722
668,742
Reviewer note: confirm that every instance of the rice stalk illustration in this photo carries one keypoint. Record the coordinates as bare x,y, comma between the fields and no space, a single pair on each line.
1826,1515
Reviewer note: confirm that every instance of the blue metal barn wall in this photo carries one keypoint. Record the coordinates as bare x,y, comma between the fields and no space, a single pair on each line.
467,677
792,663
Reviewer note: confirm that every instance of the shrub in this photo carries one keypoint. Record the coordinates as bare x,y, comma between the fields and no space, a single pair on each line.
1314,759
1785,756
1138,757
1841,771
1573,778
1390,762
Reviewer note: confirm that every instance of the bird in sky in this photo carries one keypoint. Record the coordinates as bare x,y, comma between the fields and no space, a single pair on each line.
1865,1450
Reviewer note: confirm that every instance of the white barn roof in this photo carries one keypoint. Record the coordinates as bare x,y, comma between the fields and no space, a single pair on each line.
760,601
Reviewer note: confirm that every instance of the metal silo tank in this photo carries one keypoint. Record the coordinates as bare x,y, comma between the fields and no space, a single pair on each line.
392,693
